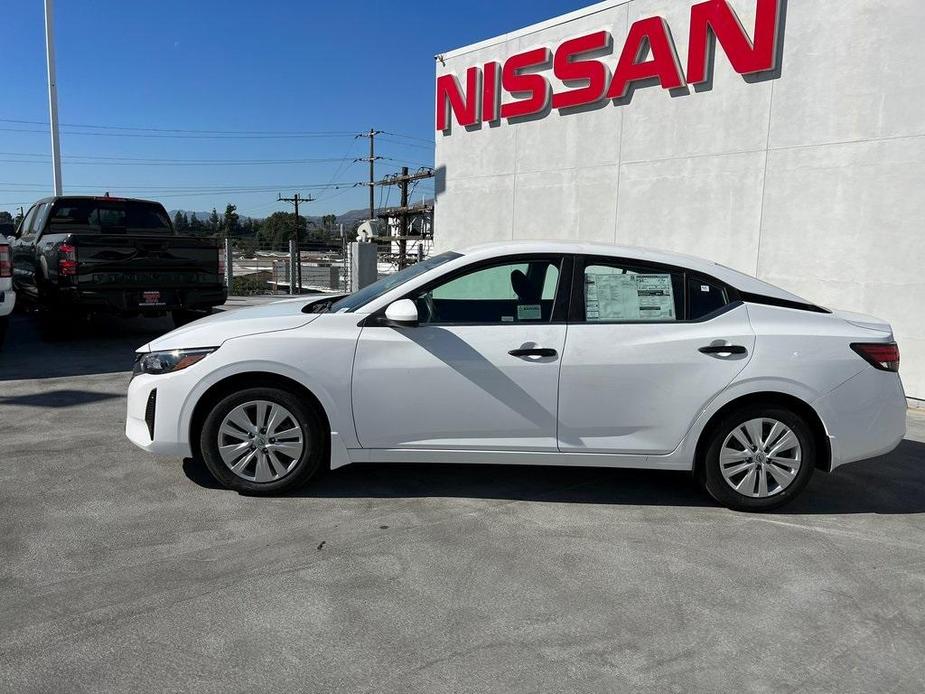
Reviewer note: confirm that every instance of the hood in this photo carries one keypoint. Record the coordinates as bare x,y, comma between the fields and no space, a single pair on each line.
214,330
862,321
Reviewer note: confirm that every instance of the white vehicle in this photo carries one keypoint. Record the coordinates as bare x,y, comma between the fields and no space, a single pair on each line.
7,297
534,353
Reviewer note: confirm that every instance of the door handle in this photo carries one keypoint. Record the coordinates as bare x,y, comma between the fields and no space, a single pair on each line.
724,349
534,352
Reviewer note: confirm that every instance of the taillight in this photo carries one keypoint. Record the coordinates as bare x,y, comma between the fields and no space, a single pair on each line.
880,355
6,268
67,260
221,261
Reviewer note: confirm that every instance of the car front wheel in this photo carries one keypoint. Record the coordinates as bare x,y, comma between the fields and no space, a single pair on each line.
759,459
262,441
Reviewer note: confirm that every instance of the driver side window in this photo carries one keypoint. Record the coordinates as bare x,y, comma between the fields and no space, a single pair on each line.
515,292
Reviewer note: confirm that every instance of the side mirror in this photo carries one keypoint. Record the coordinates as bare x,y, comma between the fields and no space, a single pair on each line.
402,313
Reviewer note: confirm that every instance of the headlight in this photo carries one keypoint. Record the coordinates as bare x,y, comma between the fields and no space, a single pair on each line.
168,362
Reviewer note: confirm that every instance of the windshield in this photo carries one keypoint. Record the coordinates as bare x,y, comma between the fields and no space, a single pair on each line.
351,303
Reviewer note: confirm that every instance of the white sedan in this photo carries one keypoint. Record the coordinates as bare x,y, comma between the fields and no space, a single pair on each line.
531,353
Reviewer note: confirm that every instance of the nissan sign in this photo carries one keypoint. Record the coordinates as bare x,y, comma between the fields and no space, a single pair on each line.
576,63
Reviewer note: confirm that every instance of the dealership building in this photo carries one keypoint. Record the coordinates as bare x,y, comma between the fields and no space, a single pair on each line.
784,139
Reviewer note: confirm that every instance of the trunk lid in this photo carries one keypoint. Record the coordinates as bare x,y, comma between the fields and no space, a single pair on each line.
864,321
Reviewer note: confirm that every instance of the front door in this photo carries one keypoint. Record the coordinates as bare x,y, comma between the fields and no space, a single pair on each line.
648,349
481,370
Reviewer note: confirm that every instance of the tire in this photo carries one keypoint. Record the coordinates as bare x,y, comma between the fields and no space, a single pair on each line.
183,317
277,470
785,475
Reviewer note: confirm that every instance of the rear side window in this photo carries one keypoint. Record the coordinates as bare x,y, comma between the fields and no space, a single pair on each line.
616,294
109,217
703,298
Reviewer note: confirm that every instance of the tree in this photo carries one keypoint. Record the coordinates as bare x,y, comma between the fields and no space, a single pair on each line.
5,217
195,226
278,229
232,220
214,222
180,223
328,222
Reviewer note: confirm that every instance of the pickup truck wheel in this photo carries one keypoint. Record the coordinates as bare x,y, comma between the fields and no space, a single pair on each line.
183,317
262,441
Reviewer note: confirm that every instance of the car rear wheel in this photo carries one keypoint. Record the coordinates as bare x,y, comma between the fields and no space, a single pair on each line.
759,458
262,441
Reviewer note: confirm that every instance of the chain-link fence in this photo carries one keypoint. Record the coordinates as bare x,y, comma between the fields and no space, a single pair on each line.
254,269
257,269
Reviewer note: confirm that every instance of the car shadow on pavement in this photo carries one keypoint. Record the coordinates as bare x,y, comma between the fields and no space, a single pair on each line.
102,345
892,484
57,399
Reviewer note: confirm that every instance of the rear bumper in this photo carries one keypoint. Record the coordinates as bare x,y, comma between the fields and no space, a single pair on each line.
864,417
7,301
133,300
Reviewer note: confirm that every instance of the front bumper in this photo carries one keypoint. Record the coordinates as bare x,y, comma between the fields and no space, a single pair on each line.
864,417
140,422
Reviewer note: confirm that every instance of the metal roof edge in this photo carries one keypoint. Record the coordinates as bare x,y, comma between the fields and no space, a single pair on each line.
534,28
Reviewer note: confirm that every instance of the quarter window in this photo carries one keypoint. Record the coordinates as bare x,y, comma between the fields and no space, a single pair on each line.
703,298
521,292
614,294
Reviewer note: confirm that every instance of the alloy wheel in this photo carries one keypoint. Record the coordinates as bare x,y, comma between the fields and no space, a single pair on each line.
260,441
760,458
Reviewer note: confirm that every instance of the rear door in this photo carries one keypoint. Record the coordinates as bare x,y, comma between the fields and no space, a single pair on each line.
647,348
26,267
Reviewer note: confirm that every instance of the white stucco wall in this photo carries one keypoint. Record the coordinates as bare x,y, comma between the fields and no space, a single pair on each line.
814,181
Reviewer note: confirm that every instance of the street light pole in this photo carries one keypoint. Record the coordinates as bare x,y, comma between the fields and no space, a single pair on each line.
52,95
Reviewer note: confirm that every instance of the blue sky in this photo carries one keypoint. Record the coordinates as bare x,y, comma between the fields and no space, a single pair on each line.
194,65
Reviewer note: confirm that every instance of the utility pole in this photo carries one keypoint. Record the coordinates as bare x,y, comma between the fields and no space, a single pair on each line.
52,95
403,229
295,278
406,211
372,168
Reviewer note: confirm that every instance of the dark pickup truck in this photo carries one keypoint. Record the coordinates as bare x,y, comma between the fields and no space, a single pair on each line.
83,255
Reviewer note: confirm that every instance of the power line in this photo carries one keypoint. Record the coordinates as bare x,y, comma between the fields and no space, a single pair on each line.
321,133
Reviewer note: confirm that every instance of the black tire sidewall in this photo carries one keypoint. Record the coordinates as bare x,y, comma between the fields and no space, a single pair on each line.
720,490
312,427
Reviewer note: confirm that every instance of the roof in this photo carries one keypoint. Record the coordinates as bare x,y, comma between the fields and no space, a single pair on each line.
734,278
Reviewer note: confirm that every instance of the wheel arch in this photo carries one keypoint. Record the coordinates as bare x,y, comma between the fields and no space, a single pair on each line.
251,379
801,407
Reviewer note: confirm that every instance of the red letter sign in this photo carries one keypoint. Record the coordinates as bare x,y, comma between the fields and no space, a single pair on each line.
663,65
466,109
592,73
746,57
491,93
534,85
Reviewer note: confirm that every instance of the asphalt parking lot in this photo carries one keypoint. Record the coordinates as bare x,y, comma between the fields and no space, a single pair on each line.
120,572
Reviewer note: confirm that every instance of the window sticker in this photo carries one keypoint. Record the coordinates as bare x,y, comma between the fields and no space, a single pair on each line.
529,312
612,297
507,319
705,288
